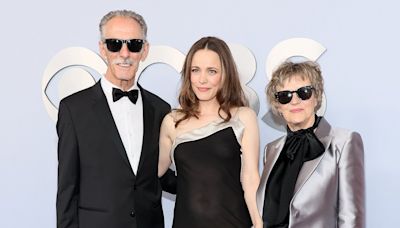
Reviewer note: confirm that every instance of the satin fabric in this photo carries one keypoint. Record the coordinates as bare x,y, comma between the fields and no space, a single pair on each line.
300,146
330,190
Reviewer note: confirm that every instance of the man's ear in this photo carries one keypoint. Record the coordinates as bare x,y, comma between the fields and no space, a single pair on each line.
145,51
102,50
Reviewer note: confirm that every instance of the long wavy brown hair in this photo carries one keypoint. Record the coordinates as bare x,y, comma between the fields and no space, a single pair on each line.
230,94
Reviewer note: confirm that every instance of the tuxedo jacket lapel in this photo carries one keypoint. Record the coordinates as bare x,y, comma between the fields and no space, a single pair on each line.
103,112
148,127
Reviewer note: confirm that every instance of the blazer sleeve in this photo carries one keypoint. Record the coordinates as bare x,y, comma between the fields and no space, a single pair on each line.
351,199
168,182
68,171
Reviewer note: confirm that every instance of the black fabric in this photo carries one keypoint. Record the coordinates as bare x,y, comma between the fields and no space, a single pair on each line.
132,94
96,185
300,146
209,192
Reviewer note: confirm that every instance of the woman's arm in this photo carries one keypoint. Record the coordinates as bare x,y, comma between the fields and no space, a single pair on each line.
250,160
351,202
165,144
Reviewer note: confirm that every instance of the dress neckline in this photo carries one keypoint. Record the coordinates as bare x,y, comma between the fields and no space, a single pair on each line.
213,122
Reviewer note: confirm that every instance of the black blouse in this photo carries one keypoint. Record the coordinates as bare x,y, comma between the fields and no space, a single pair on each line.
300,146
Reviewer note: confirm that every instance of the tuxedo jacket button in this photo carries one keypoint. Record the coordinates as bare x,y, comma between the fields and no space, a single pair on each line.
133,214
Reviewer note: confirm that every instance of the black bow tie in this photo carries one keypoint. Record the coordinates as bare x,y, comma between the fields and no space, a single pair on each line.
304,140
132,95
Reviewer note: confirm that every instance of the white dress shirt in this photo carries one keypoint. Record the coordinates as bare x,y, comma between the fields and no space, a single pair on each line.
128,118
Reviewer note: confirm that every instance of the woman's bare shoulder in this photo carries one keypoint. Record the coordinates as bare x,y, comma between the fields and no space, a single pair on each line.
246,114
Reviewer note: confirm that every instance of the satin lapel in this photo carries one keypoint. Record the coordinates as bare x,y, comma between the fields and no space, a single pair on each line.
103,112
271,156
322,133
148,127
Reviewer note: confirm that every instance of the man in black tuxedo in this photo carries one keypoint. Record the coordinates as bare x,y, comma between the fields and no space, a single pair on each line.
108,139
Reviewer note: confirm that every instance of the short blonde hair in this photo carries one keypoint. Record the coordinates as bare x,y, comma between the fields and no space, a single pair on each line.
287,70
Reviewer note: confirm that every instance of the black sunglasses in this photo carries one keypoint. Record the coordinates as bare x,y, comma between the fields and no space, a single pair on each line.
115,45
285,97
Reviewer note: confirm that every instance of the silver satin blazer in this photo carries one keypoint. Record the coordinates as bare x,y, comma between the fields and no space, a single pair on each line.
330,190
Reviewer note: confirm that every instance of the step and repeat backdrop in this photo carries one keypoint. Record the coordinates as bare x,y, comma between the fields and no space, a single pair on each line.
50,50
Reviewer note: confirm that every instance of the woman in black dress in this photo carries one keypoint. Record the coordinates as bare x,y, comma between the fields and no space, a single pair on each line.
213,141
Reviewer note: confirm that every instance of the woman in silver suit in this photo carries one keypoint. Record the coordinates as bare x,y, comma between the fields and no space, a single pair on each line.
314,175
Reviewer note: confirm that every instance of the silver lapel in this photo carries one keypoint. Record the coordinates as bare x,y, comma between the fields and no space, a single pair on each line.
323,134
272,151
